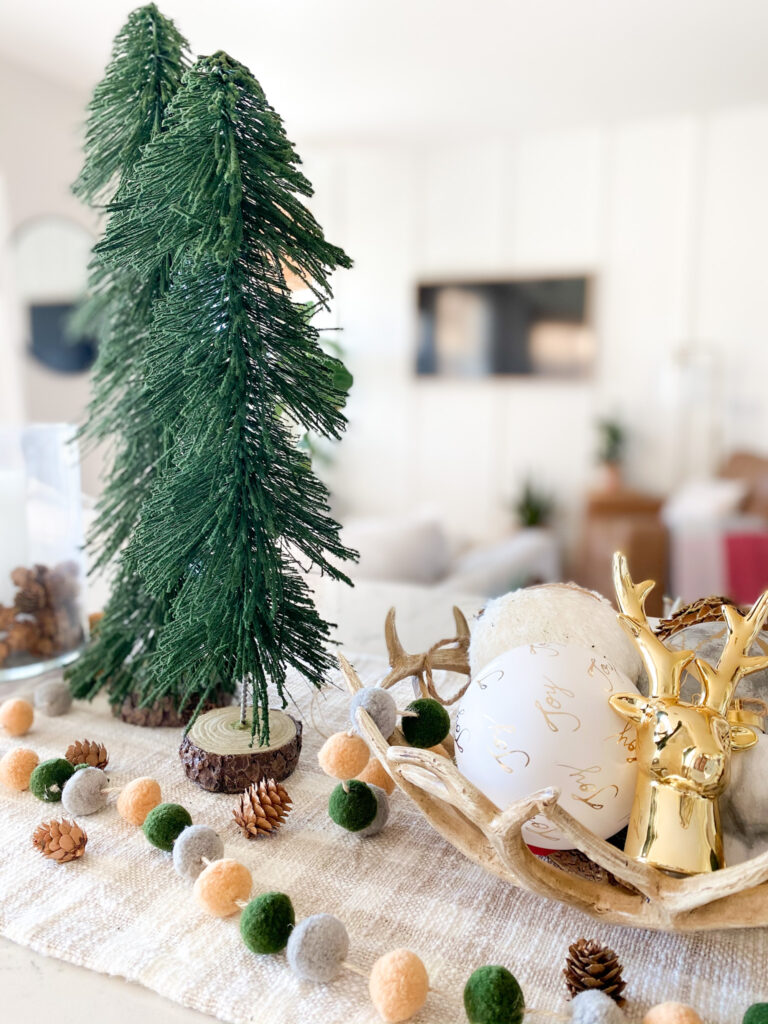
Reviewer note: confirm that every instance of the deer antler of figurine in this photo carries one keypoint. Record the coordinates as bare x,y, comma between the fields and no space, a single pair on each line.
684,749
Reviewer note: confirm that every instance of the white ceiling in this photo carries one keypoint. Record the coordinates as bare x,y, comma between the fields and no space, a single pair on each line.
337,68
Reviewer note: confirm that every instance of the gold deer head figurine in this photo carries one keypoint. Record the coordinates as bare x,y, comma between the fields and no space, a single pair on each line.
683,749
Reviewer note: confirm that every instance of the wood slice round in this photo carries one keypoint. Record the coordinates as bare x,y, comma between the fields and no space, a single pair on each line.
217,755
164,712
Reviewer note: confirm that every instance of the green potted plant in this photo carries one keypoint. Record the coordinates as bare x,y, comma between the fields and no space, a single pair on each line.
612,440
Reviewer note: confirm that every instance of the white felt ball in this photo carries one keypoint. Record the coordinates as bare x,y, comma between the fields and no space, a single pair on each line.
382,814
380,705
559,613
538,716
317,947
745,802
595,1007
192,844
53,698
82,793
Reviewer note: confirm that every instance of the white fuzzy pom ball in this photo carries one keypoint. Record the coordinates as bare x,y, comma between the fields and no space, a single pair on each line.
380,705
317,947
557,613
82,793
382,813
192,844
595,1007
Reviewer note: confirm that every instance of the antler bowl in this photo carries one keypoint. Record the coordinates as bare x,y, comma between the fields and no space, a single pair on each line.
596,878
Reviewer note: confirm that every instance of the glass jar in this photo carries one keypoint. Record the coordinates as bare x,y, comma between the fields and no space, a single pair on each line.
42,583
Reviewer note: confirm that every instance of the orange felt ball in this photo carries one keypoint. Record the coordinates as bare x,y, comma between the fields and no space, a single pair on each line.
16,716
137,799
672,1013
376,775
16,767
220,886
398,985
344,755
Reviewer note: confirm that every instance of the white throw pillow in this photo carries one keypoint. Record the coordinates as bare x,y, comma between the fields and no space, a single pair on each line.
704,501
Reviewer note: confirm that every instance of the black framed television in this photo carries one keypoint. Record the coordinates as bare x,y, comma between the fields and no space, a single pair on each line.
528,326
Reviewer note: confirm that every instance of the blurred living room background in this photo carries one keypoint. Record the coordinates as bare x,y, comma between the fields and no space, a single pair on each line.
556,320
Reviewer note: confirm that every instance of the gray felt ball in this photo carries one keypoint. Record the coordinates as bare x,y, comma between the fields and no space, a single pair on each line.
380,705
53,698
194,843
317,947
382,813
595,1007
82,792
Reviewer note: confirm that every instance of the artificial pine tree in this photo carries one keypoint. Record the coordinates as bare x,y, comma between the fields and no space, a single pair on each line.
149,58
234,370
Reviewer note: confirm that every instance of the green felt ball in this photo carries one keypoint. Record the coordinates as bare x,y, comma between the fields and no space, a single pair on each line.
47,780
354,810
756,1014
267,922
79,767
430,726
493,996
164,823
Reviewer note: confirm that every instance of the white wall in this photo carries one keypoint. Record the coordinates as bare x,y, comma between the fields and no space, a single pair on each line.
671,216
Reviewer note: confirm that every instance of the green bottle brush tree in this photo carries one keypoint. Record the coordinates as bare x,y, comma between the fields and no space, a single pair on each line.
232,372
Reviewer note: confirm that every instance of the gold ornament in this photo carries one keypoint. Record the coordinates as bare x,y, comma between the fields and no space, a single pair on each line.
683,749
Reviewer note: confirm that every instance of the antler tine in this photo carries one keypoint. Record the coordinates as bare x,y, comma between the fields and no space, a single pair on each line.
395,649
354,682
735,662
665,668
462,626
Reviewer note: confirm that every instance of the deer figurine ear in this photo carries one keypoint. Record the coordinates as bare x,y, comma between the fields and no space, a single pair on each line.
630,705
742,737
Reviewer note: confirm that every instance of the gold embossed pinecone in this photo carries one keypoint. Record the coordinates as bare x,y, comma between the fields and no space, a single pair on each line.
60,840
87,752
706,609
590,965
262,809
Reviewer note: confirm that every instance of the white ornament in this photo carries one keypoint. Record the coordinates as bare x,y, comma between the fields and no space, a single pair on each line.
538,716
557,613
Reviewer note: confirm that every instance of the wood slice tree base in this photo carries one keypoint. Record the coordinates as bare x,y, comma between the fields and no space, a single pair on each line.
164,712
217,755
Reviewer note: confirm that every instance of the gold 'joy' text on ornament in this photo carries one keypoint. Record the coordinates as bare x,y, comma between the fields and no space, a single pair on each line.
684,748
549,649
627,738
588,792
501,751
554,714
601,670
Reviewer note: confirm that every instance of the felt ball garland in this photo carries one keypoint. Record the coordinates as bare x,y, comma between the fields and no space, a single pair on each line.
316,947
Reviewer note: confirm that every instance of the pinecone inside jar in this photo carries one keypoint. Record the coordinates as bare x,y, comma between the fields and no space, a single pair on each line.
262,809
590,965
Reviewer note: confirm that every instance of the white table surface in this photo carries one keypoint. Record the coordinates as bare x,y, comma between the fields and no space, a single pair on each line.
34,986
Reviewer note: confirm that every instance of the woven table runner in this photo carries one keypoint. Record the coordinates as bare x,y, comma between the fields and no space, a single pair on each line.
122,909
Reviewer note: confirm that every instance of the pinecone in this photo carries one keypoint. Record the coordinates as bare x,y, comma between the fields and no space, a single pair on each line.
60,840
262,809
590,965
87,752
31,598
